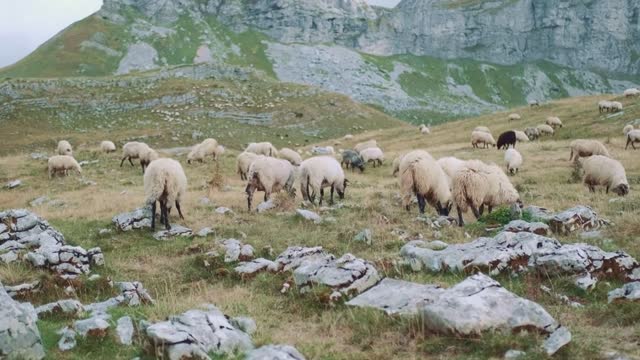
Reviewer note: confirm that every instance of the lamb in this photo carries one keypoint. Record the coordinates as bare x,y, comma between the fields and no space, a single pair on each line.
322,150
291,156
514,117
420,175
480,184
554,122
374,155
513,160
107,146
483,129
585,148
263,148
365,145
626,129
64,148
633,137
479,137
269,175
631,92
243,162
164,183
396,164
506,139
319,172
62,164
545,129
521,136
532,133
603,171
352,159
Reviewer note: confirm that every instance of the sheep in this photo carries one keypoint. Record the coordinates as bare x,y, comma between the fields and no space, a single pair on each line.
270,175
164,183
604,105
365,145
219,151
554,122
322,150
603,171
532,133
480,184
513,160
64,148
132,150
352,159
633,137
533,103
208,147
521,136
243,162
514,117
631,92
291,156
545,129
483,129
585,148
450,165
615,106
479,137
626,129
62,164
348,137
146,157
425,131
506,139
319,172
107,146
396,164
374,155
420,175
263,148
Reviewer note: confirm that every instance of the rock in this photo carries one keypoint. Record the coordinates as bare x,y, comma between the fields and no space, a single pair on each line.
266,206
223,210
628,292
274,352
13,184
19,335
137,219
124,330
523,226
67,307
309,215
538,213
39,156
38,201
204,232
514,354
104,231
175,231
254,266
576,218
348,274
559,338
235,250
586,281
397,296
8,257
23,290
245,324
67,340
365,236
67,261
134,293
95,326
205,201
294,256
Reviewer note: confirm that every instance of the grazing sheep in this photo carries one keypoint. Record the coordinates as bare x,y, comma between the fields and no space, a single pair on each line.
396,164
291,156
480,184
64,148
269,175
633,137
365,145
420,175
616,106
243,162
483,129
514,116
263,148
506,139
165,183
322,150
603,171
554,122
374,155
532,133
62,164
218,152
132,150
146,157
604,106
450,165
626,129
631,92
521,136
533,103
425,131
545,129
348,137
513,160
107,146
480,137
585,148
352,159
320,172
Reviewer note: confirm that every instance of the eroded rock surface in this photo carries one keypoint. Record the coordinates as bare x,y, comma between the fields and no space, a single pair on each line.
517,226
275,352
137,219
348,274
576,218
175,231
68,307
397,296
19,335
628,292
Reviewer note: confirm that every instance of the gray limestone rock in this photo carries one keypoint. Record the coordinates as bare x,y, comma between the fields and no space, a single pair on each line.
556,340
137,219
275,352
68,307
628,292
364,236
67,339
397,296
255,266
576,218
523,226
95,326
175,231
124,330
309,215
348,274
294,256
139,57
19,335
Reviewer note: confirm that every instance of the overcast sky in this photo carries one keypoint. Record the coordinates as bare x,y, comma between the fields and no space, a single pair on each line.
25,24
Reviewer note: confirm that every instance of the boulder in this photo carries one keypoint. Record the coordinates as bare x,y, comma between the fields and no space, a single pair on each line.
556,340
274,352
67,307
235,250
628,292
517,226
364,236
137,219
254,266
347,275
576,218
67,339
397,296
19,335
95,326
293,256
124,330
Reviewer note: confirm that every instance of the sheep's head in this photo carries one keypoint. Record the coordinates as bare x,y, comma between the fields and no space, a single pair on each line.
621,190
358,163
342,191
445,209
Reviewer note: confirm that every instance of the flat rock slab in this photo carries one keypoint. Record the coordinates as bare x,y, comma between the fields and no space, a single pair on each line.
124,330
137,219
255,266
19,335
517,226
175,231
274,352
294,256
23,290
265,206
576,218
95,326
68,307
538,213
347,275
13,184
628,292
397,296
559,338
309,215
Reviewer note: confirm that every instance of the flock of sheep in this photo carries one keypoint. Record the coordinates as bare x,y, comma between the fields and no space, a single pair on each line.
443,183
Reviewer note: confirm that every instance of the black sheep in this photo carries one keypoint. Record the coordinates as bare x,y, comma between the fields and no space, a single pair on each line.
507,138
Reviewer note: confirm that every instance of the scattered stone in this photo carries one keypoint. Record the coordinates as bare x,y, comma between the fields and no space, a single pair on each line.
131,294
439,222
105,231
205,201
19,335
67,340
13,184
586,281
348,274
576,218
628,292
23,290
254,266
274,352
67,261
39,156
309,215
68,307
557,340
235,250
8,257
223,210
248,325
204,232
294,256
38,201
365,236
266,206
517,226
397,296
95,326
137,219
94,277
175,231
124,330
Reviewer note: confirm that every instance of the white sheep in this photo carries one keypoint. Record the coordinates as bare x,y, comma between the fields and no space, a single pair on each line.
270,175
62,164
513,160
420,175
626,129
319,172
633,137
348,137
396,164
585,148
532,133
483,129
631,92
107,146
554,121
165,183
64,148
322,150
514,116
616,106
425,131
374,155
262,148
533,103
603,171
545,129
604,105
208,147
291,156
365,145
219,151
521,136
243,162
450,165
481,137
146,157
133,150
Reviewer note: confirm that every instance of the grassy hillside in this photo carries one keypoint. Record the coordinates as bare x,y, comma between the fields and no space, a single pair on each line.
177,277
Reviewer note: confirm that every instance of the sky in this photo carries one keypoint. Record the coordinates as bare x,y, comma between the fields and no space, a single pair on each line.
26,24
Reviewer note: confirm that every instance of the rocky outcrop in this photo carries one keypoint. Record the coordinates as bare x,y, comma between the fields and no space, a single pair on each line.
19,335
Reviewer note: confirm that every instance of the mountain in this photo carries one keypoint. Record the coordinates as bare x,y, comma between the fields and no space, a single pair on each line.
423,61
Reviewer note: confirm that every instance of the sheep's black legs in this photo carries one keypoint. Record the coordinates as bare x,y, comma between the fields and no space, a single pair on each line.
476,213
153,216
179,210
460,220
421,203
331,199
166,217
321,196
131,162
481,209
490,209
249,190
122,162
